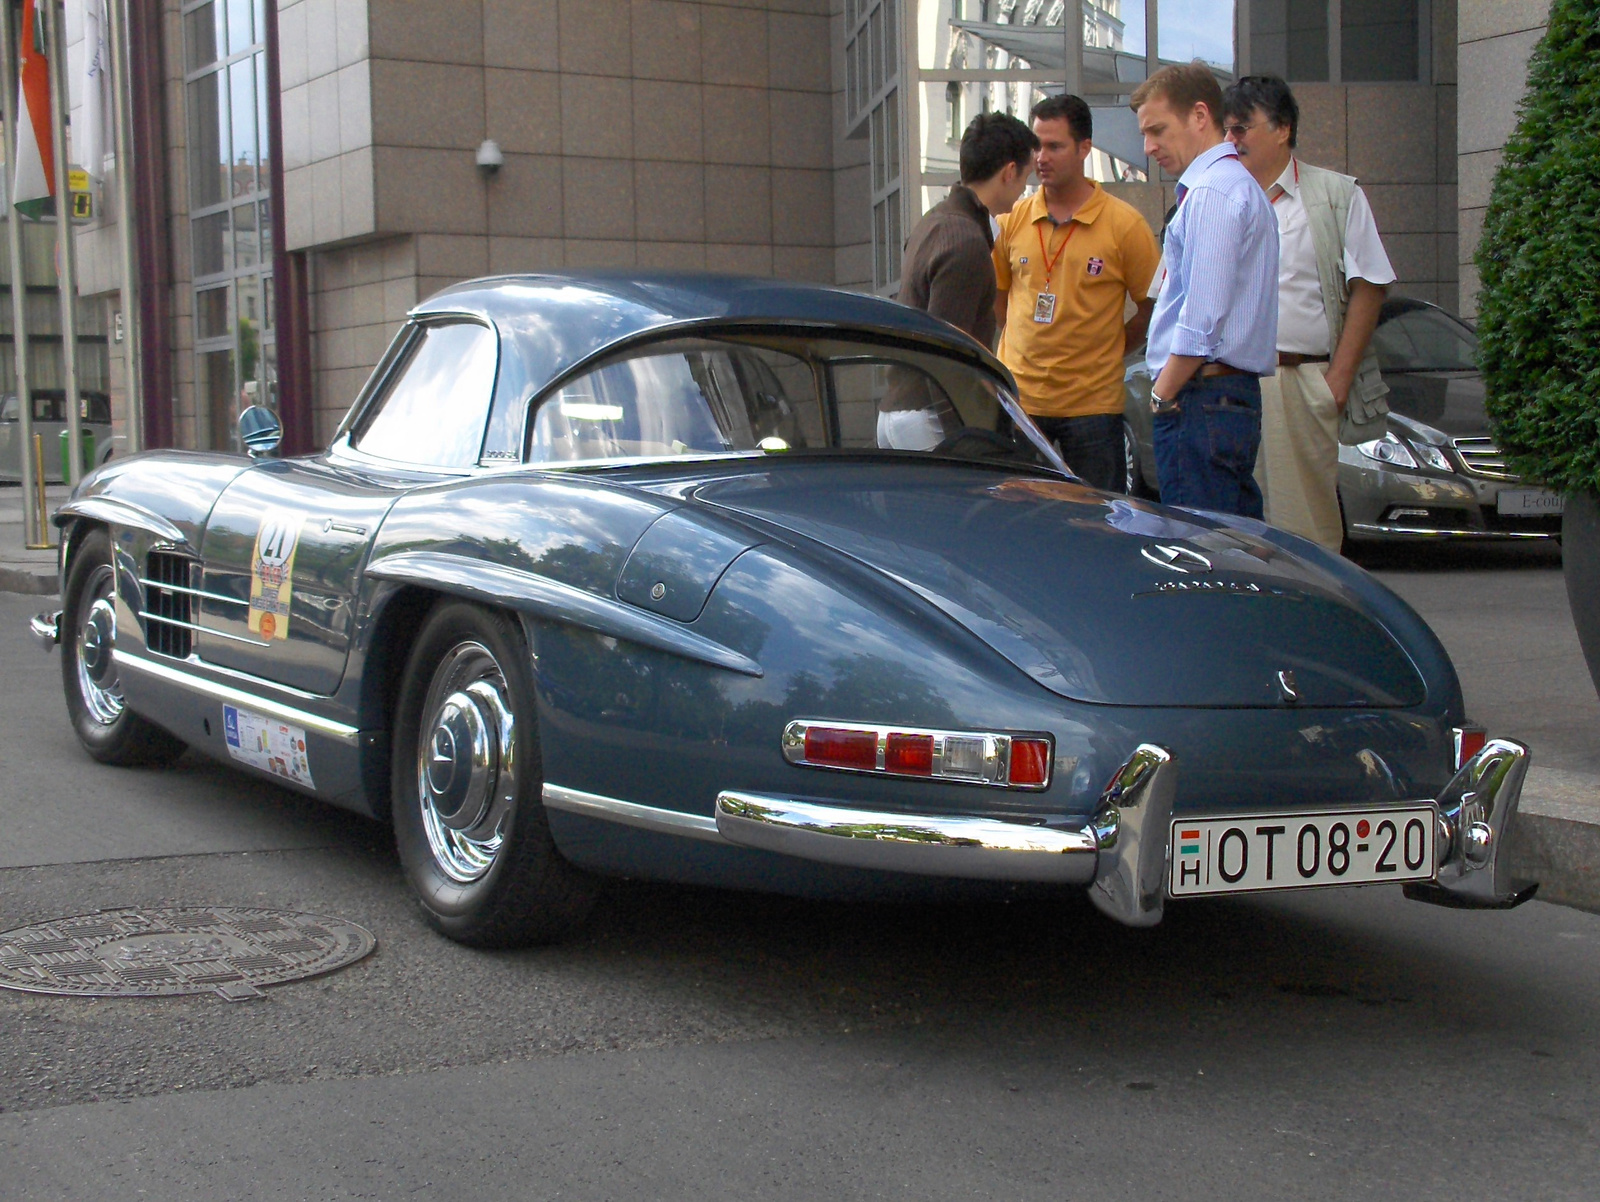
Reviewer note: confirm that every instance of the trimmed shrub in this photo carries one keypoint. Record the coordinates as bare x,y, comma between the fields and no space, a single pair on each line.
1539,261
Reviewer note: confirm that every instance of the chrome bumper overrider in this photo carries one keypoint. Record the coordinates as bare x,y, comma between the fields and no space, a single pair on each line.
1121,854
45,629
1476,811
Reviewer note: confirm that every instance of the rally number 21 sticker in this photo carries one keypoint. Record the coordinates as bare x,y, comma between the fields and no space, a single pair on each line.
272,572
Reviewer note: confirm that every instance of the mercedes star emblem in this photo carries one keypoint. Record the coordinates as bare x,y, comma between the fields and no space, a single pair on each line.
1176,558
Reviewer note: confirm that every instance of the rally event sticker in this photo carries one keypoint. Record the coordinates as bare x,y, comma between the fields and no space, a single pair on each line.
268,744
272,572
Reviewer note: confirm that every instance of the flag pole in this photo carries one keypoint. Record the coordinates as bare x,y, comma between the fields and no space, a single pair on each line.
122,133
32,533
59,108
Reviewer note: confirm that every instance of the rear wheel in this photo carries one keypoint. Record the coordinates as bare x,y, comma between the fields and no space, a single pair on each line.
469,820
107,728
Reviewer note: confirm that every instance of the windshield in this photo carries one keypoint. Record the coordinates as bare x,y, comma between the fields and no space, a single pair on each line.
751,395
1425,340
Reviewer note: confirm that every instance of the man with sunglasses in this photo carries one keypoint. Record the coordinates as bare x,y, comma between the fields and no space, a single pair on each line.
1333,275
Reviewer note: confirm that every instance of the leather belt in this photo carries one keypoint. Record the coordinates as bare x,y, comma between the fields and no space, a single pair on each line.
1222,369
1294,359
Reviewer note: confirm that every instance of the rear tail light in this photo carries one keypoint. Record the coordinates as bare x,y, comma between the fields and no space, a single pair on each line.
1030,763
832,747
1004,761
1469,740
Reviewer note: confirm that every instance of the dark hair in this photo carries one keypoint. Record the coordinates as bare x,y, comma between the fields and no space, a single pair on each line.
992,141
1069,108
1182,86
1267,93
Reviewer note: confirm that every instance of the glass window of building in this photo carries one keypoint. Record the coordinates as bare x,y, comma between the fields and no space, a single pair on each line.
872,102
965,57
230,217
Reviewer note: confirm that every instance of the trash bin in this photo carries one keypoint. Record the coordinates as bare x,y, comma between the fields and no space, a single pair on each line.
88,452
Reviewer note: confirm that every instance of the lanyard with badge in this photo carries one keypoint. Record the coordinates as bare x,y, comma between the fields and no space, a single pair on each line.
1044,309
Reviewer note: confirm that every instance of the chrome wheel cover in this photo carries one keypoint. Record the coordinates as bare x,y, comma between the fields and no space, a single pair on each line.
466,762
98,683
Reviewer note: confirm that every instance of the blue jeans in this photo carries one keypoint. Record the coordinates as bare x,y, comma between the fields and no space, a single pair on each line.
1206,450
1092,447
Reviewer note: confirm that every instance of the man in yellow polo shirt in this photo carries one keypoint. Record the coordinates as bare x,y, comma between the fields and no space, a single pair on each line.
1066,260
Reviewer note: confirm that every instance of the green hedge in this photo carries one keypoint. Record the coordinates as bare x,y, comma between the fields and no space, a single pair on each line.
1539,261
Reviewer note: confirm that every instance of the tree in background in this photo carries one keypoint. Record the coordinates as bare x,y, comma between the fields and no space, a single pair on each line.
1539,261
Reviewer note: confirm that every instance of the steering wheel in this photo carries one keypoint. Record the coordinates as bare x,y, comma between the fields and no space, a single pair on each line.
976,434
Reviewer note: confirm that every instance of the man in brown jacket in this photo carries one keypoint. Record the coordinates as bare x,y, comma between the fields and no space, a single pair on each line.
947,270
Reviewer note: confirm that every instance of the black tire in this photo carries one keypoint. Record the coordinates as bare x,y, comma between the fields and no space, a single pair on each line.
475,842
109,731
1133,466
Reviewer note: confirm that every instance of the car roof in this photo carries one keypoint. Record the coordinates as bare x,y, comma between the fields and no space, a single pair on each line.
560,320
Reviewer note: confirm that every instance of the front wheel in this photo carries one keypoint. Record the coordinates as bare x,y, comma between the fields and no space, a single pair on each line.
107,728
469,820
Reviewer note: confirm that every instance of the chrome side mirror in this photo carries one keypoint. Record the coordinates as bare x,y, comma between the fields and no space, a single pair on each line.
259,431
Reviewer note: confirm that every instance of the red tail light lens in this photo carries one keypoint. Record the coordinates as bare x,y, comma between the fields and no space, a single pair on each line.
910,754
958,756
1030,762
835,748
1469,741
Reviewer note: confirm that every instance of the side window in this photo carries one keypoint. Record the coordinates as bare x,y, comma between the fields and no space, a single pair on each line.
435,410
891,406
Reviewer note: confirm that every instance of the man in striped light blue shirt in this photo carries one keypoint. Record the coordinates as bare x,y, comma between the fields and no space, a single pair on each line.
1214,332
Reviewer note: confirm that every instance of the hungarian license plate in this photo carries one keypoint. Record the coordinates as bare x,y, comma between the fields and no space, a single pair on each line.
1301,851
1529,502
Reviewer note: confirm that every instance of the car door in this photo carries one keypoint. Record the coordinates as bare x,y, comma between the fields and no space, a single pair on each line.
286,543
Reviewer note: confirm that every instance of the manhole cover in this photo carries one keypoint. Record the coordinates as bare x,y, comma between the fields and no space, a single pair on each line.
178,950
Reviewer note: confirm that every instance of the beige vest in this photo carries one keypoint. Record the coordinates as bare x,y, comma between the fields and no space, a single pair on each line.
1326,196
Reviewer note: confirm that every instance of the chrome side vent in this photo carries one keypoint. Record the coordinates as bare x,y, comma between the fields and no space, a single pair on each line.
169,602
1480,457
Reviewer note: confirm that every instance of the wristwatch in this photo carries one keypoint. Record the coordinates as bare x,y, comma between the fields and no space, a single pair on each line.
1160,405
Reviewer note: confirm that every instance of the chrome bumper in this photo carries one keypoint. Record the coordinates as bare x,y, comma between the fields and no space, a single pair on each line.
45,629
1121,854
1476,812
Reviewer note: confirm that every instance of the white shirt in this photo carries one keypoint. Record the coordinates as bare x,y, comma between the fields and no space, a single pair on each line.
1302,318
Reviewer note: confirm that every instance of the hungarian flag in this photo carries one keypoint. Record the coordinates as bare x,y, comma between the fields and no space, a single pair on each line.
33,191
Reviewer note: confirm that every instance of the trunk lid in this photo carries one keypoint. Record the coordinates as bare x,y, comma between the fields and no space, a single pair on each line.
1098,598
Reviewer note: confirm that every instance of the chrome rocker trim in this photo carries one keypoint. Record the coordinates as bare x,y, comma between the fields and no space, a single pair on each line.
629,813
327,727
1476,812
45,630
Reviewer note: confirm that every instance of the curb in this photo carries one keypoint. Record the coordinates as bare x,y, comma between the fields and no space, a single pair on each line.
1556,839
36,582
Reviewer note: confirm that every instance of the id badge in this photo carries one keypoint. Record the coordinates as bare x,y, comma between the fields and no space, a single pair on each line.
1044,309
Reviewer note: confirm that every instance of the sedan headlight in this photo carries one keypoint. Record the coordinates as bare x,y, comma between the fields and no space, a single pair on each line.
1432,456
1390,450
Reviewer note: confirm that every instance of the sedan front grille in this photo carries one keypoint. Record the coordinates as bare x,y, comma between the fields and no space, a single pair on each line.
169,604
1480,457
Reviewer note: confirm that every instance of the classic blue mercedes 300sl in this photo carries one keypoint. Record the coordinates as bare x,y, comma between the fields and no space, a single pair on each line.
764,586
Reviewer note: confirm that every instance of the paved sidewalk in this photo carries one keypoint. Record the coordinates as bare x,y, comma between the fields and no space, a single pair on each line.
1503,615
21,570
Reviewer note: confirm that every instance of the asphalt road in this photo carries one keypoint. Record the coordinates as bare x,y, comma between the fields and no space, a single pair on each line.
697,1044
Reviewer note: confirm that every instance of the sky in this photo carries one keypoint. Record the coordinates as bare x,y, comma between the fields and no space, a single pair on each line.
1188,29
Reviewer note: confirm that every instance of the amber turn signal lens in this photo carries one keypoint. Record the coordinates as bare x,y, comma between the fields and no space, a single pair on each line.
910,754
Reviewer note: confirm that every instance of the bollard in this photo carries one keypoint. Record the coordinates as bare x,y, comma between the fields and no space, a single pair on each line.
38,483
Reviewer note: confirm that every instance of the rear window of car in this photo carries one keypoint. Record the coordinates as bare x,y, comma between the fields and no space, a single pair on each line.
780,394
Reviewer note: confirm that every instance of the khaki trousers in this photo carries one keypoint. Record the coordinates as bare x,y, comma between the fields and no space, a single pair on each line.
1298,464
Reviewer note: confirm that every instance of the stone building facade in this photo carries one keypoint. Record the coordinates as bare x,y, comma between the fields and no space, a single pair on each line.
316,173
